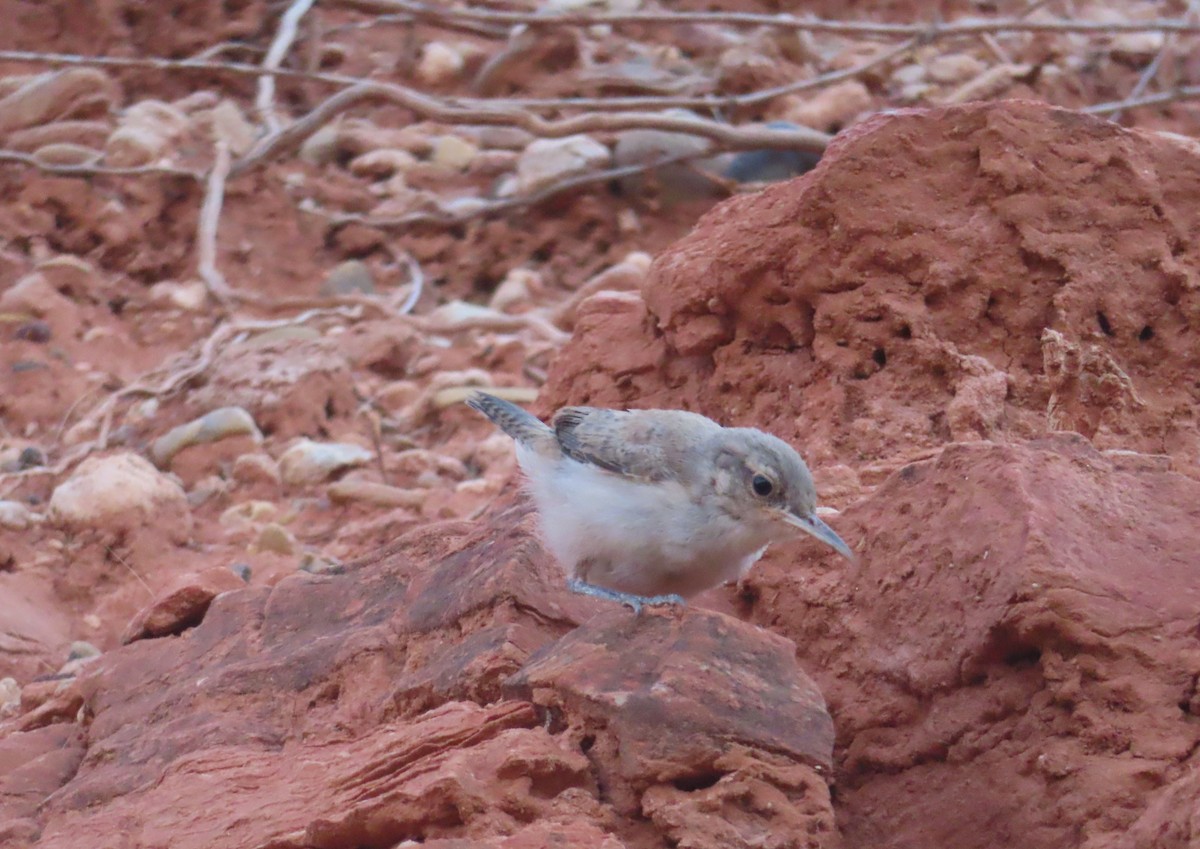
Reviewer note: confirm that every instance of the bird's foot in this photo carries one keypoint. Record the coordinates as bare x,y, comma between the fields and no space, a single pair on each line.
634,602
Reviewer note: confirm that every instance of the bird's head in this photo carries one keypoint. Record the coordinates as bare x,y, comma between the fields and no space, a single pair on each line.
761,479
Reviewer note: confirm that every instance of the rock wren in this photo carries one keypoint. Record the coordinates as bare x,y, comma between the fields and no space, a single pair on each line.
654,506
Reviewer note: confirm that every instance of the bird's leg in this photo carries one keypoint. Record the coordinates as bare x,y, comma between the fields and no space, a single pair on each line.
634,602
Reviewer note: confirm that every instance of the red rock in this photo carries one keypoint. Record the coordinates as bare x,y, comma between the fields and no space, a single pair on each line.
1017,644
677,689
51,701
29,627
682,715
845,309
33,764
333,710
1014,661
540,835
183,606
757,802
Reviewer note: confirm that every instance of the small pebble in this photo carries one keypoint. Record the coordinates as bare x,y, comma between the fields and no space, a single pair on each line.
189,297
515,289
827,110
439,63
282,334
548,161
381,164
10,695
120,490
453,152
35,331
211,427
249,513
16,516
275,538
311,462
768,166
322,146
81,649
320,565
207,488
256,468
230,125
31,457
378,494
676,181
349,278
242,570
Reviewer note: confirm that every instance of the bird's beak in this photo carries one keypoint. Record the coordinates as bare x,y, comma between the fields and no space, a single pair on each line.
815,527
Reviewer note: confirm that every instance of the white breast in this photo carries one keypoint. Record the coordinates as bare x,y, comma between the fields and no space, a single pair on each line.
641,538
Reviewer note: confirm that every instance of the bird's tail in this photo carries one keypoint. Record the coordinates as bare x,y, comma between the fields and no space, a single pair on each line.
520,424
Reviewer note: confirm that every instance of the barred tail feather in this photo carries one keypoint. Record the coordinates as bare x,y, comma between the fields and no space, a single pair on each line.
521,425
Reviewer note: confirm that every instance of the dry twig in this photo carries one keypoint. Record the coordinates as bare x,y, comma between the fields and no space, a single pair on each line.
1191,92
712,101
95,170
1151,70
484,208
405,20
970,26
206,232
416,282
729,137
265,102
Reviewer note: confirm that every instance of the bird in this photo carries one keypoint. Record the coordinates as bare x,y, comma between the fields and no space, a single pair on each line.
651,507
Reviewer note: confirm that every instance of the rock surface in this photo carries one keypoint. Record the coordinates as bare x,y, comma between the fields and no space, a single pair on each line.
119,493
1013,661
333,711
182,606
850,310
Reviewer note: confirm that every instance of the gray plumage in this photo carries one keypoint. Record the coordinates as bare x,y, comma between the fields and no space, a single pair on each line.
655,504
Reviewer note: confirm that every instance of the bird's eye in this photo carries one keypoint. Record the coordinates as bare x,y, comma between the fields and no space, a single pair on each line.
762,485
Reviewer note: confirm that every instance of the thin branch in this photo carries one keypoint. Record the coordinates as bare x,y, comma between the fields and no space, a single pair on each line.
288,24
436,14
727,136
91,170
1191,92
223,47
712,101
206,232
164,64
831,77
485,208
343,81
996,49
1149,73
458,110
109,550
416,281
402,19
1151,70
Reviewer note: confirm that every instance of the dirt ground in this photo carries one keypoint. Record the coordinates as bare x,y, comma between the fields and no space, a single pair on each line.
239,492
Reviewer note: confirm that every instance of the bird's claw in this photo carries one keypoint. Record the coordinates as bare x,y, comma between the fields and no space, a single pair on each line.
630,600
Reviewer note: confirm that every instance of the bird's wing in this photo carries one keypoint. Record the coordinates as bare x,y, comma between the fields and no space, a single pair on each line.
645,445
